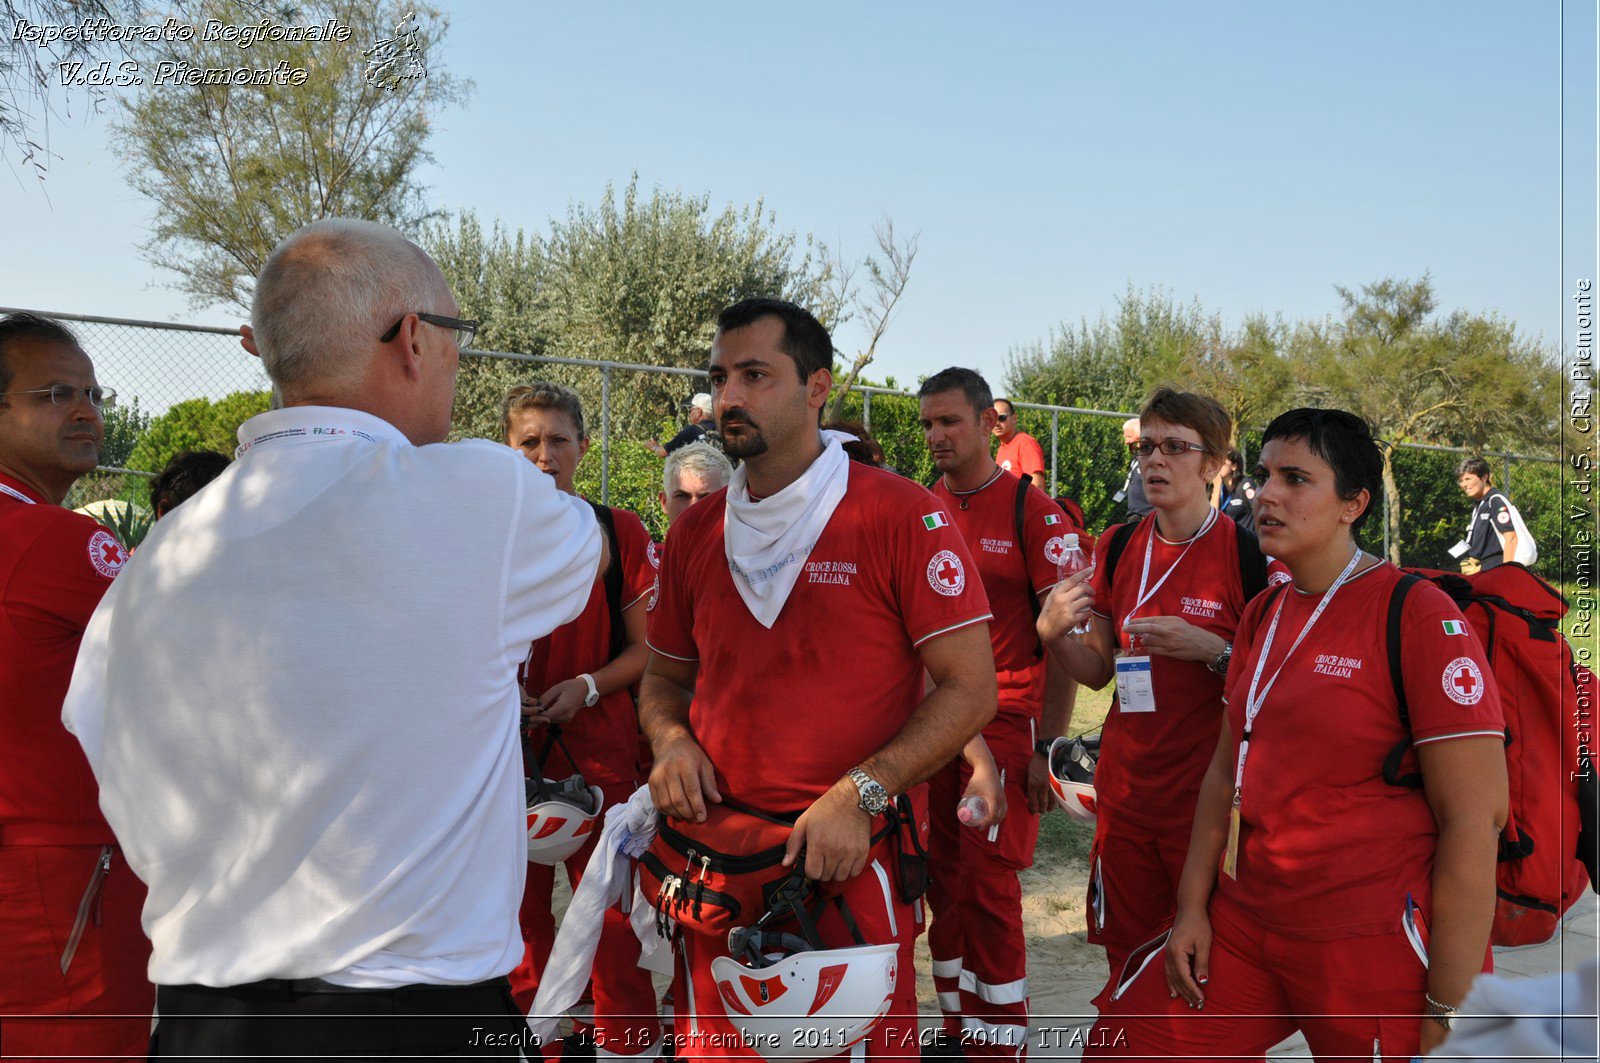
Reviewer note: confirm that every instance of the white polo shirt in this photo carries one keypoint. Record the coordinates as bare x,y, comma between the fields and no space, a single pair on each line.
300,703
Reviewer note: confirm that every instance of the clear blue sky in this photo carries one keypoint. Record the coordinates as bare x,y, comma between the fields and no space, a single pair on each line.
1250,155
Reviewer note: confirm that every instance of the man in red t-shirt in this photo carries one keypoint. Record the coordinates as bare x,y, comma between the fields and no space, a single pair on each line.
1019,453
579,678
807,601
979,950
70,940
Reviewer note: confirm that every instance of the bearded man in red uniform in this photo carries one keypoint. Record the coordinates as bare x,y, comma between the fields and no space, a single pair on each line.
807,600
980,967
580,678
70,942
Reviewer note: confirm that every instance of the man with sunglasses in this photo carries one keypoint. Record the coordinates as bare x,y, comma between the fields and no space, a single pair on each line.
58,857
1019,454
301,703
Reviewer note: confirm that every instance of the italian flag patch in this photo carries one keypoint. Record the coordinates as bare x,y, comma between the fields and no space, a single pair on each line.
1454,627
1052,518
934,520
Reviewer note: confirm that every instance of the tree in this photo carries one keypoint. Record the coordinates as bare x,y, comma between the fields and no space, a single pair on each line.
196,424
125,423
887,280
635,279
28,59
236,168
1416,380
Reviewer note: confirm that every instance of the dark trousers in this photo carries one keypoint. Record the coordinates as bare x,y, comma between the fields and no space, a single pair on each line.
284,1020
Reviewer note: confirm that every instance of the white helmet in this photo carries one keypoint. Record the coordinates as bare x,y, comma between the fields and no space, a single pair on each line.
791,999
561,813
1072,764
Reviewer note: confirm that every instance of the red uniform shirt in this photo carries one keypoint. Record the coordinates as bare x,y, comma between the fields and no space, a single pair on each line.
603,738
1327,848
54,567
784,712
1151,763
1021,456
988,522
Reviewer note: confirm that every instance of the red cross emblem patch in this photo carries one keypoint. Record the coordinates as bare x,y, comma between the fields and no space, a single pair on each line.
945,574
1055,550
106,554
1463,681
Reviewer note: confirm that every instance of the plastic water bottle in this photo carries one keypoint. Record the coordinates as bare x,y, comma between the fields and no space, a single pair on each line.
971,810
1072,562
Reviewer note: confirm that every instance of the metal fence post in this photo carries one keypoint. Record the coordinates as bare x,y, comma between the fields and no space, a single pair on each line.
1055,446
605,435
866,410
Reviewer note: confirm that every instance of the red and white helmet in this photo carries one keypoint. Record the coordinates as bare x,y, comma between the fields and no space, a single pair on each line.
1072,763
561,813
791,1000
561,816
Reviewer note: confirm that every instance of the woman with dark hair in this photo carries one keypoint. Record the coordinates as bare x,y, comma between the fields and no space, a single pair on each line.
1160,603
1236,492
1353,909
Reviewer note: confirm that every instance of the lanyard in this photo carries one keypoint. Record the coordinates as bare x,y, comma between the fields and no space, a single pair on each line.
18,495
1149,549
1253,701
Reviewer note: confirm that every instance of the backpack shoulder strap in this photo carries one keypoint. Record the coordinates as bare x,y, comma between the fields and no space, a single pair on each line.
1119,543
1018,515
613,580
1252,562
1397,606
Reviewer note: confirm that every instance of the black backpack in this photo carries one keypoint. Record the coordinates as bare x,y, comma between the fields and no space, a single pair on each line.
1252,562
613,580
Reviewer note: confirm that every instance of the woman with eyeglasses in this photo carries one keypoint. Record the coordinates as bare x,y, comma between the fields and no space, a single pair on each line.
1161,603
1319,895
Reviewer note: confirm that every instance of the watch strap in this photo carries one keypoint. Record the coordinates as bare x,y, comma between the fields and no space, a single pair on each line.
594,692
1042,746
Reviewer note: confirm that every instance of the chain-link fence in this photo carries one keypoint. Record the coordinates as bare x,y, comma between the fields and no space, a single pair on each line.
188,387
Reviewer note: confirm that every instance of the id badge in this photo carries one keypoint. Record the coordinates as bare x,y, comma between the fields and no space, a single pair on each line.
1459,550
1135,692
1119,496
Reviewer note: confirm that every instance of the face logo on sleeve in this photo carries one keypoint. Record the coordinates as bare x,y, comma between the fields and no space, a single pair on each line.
1463,682
1250,492
106,554
945,574
653,554
1505,517
1055,550
655,592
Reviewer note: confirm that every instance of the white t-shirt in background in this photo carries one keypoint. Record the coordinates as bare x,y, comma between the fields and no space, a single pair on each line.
300,703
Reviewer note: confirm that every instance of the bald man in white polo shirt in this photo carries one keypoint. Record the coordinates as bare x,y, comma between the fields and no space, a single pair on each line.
300,702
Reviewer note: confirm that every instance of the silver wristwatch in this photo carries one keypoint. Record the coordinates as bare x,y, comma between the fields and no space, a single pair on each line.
1220,665
874,798
1443,1014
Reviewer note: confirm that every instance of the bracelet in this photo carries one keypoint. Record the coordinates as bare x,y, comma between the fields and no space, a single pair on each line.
1435,1006
1042,746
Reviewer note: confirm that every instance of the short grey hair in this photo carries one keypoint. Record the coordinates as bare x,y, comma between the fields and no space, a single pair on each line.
326,294
702,459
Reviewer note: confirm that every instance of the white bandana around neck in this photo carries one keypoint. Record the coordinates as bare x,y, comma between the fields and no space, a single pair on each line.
767,542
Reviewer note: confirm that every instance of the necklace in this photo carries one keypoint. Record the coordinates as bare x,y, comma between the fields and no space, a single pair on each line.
966,496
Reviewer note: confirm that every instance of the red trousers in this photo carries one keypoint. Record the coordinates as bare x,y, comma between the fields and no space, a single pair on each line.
700,1022
99,1008
1357,998
1133,883
980,960
624,998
